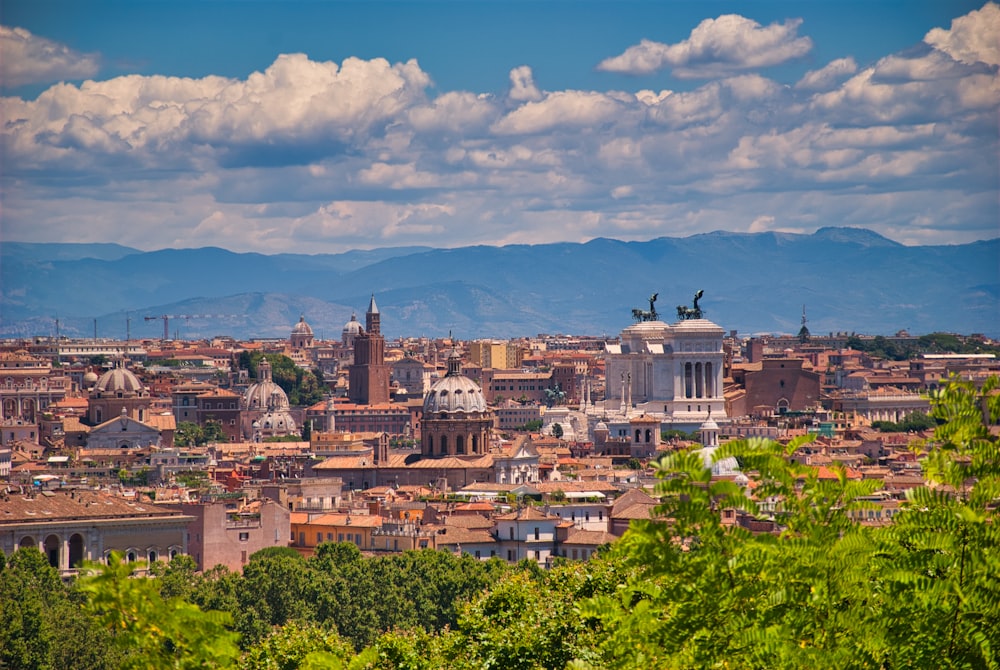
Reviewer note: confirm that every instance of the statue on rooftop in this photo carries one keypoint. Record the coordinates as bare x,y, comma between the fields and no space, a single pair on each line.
644,315
684,312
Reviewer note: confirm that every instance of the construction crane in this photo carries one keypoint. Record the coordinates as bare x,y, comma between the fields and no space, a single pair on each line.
166,320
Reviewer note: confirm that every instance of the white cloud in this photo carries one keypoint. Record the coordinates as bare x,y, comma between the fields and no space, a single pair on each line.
30,59
828,76
716,47
318,156
522,85
564,109
973,38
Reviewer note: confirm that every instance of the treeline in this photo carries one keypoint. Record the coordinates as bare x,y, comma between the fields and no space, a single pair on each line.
689,591
933,343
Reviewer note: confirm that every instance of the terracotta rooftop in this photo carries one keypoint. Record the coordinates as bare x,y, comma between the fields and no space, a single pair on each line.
65,505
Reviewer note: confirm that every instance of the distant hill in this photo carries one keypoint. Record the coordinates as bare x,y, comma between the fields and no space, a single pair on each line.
849,279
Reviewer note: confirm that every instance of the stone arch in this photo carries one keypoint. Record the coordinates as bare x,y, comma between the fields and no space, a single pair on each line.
52,549
26,542
76,550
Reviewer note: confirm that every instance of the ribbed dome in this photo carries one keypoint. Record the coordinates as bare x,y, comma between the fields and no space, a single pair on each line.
454,393
352,327
117,380
90,379
265,394
302,328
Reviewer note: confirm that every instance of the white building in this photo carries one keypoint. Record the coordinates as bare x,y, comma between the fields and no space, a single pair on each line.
672,372
527,533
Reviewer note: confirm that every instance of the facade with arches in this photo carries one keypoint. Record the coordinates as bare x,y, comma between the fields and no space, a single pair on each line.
70,527
28,385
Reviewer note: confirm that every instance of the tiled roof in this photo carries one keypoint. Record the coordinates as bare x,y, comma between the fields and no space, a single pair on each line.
592,538
73,505
454,535
527,514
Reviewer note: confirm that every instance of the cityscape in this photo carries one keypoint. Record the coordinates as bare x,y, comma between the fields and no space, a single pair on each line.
463,335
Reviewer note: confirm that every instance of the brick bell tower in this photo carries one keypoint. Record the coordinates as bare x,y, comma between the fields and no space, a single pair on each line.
368,377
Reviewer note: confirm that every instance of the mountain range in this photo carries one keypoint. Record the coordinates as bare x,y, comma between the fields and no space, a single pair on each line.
846,280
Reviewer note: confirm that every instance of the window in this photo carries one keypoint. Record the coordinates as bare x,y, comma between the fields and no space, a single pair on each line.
244,537
536,532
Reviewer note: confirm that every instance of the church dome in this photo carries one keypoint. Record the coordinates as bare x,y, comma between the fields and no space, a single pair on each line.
119,380
353,327
302,328
265,394
90,379
454,393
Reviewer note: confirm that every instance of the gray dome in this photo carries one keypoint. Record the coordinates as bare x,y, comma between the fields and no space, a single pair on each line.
265,394
119,379
353,327
454,393
302,328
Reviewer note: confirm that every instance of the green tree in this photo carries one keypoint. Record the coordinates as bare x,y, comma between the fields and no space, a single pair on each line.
188,434
150,631
557,431
921,589
295,646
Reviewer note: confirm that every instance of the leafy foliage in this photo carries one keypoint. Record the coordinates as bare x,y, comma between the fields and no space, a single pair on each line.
150,631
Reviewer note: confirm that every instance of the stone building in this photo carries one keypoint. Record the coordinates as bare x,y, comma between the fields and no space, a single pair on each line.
28,385
672,372
456,418
118,391
266,411
70,526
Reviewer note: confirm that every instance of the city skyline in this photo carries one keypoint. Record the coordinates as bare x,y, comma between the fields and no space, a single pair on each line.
323,127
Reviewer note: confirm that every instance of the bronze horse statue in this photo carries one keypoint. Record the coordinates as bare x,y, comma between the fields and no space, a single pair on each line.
694,312
644,315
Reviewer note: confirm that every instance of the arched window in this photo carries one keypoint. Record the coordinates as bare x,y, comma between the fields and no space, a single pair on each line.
638,435
460,444
444,445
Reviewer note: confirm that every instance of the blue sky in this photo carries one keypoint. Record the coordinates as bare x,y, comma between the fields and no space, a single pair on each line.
325,126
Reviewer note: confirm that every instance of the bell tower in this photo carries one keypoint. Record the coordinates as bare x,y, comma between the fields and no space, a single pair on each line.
368,377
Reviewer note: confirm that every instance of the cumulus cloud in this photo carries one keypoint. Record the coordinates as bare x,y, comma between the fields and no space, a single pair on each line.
825,78
716,47
566,109
319,156
973,38
29,59
522,85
